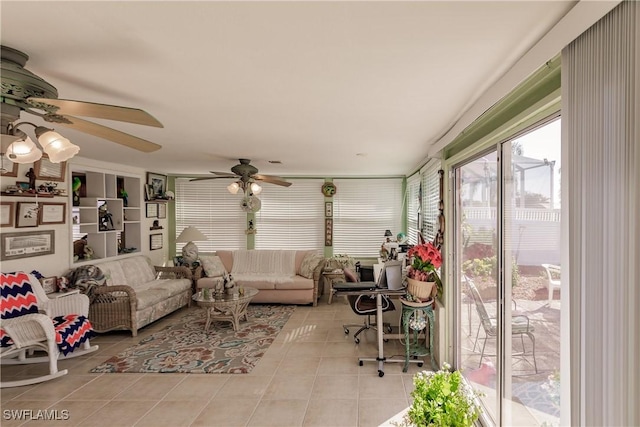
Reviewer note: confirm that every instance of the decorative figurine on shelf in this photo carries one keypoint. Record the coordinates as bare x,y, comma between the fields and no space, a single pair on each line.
125,197
32,180
75,187
106,218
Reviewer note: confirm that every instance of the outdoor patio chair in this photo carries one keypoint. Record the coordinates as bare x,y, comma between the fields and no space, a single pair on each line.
520,325
32,322
553,274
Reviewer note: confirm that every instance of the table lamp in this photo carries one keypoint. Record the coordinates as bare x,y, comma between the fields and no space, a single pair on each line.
190,250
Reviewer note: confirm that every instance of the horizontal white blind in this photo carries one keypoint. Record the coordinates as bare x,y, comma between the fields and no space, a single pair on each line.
430,199
291,217
362,210
413,208
208,206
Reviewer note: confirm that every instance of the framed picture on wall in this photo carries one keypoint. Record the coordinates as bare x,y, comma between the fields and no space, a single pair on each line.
162,210
27,215
26,244
46,170
10,168
155,241
6,214
328,232
52,213
152,210
158,184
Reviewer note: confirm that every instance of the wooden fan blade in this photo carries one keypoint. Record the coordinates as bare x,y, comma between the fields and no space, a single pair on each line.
271,180
211,177
101,111
224,174
111,134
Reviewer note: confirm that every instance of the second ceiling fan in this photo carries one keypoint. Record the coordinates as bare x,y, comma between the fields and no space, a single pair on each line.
245,175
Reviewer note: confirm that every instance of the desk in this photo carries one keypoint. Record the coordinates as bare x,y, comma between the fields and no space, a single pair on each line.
350,289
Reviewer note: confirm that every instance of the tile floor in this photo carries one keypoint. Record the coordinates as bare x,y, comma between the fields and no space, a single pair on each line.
308,377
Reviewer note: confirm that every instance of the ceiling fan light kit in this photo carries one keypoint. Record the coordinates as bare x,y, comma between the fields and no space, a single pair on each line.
24,150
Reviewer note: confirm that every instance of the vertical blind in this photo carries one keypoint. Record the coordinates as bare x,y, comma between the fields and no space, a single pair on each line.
208,206
430,199
291,217
362,210
413,208
600,108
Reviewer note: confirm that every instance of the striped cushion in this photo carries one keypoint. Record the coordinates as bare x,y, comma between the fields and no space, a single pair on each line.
71,331
16,296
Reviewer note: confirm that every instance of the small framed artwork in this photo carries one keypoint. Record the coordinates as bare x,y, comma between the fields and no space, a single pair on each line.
11,169
148,192
6,214
152,210
328,209
158,184
49,284
328,232
53,213
22,185
26,244
155,241
46,170
162,210
27,215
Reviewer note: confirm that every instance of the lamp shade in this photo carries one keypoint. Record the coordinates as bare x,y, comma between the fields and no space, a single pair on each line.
233,188
23,151
190,250
55,145
191,234
388,233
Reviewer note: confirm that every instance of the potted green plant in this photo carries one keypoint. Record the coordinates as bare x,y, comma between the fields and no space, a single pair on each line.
441,399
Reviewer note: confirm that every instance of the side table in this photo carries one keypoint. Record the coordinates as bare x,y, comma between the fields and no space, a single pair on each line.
331,277
412,311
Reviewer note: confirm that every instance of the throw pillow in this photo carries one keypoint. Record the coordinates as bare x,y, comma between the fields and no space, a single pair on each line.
309,263
350,275
212,266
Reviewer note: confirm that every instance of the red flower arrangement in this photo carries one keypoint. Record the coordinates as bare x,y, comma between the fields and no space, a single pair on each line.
426,260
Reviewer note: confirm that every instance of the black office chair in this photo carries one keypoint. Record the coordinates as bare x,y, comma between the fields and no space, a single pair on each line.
365,305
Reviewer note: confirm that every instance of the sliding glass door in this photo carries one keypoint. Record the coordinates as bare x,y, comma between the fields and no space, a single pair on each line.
507,213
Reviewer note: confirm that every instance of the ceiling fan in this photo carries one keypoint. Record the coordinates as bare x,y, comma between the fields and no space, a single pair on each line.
24,91
245,175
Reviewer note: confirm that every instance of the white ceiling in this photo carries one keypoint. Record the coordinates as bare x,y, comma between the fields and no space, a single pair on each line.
328,88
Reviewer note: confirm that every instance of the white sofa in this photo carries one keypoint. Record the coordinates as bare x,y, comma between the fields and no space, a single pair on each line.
134,296
288,277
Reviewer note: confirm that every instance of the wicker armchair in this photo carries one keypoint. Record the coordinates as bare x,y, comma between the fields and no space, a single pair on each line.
117,306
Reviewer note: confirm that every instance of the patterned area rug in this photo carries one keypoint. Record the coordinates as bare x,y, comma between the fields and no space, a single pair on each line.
186,347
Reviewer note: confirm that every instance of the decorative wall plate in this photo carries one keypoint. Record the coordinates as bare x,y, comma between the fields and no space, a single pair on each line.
329,189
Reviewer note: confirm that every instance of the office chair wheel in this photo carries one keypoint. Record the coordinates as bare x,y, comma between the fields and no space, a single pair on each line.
380,373
357,340
346,331
420,365
361,363
385,339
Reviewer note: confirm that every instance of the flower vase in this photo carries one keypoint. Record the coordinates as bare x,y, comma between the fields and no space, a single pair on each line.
419,289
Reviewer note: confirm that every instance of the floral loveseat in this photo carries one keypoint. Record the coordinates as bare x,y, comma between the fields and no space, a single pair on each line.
289,277
134,295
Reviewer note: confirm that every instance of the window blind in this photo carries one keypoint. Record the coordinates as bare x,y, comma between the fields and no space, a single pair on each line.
362,210
208,206
430,199
291,217
413,208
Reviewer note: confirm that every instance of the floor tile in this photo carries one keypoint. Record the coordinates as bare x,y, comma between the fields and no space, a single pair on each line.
172,414
278,413
331,413
225,412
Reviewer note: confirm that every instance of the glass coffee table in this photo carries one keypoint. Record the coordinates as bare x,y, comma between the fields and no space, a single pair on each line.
227,307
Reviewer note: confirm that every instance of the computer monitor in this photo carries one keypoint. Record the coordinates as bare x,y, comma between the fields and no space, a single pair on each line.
391,275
